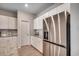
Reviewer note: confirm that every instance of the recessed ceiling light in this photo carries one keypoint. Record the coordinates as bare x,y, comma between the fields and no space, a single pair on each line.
26,5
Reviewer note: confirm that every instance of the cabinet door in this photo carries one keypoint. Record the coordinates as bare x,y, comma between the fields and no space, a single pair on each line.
15,41
12,23
13,52
12,48
40,23
3,46
12,42
40,45
35,24
35,41
32,40
3,22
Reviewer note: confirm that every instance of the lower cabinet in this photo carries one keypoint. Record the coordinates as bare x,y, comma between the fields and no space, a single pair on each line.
3,46
12,52
8,46
37,43
12,48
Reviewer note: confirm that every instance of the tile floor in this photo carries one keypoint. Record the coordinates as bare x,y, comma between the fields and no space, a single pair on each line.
28,51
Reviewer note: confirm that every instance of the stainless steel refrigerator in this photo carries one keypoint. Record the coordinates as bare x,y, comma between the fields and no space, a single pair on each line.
56,41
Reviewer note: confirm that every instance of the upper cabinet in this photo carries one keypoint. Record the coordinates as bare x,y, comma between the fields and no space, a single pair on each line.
3,22
38,23
35,23
12,23
7,22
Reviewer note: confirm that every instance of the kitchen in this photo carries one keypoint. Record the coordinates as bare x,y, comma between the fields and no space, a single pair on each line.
34,29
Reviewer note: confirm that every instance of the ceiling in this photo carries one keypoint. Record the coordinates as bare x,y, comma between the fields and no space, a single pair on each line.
34,8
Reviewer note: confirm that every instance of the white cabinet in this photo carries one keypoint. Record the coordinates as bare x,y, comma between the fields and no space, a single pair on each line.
3,22
3,46
38,23
8,46
12,23
37,43
35,24
12,42
12,47
7,22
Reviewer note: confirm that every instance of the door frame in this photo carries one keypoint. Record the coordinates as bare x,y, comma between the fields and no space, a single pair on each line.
29,30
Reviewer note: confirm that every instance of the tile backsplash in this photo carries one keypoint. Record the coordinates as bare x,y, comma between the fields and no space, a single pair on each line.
8,33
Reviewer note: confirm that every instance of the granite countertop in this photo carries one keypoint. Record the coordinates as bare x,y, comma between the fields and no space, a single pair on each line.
7,36
35,35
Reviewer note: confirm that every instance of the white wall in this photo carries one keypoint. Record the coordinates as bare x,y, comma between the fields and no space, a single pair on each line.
75,29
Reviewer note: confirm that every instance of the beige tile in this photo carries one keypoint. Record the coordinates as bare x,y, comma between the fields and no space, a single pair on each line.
28,51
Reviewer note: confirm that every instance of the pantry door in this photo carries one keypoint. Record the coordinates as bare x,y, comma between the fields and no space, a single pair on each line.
25,33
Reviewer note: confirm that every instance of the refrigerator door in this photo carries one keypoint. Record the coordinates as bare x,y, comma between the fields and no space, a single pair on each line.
62,51
57,35
56,50
51,34
62,28
50,26
51,49
46,51
56,23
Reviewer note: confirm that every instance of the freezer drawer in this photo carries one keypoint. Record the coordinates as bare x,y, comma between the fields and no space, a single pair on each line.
55,50
50,49
62,51
46,49
52,53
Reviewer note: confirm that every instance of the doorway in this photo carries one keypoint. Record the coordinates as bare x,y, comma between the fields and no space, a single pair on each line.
25,33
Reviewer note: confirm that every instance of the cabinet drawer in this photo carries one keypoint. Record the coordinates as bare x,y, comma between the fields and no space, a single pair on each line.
3,52
12,52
